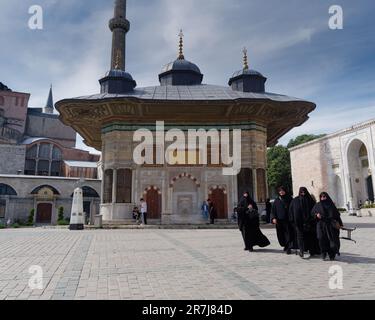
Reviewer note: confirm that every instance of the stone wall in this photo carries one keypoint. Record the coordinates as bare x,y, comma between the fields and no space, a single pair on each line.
12,158
49,126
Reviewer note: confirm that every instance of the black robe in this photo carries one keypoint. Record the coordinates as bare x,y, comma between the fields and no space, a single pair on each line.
284,229
304,224
242,207
328,235
252,234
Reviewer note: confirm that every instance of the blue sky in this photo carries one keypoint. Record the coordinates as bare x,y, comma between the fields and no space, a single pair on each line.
289,42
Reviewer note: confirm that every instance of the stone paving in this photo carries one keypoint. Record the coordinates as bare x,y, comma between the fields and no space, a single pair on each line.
176,264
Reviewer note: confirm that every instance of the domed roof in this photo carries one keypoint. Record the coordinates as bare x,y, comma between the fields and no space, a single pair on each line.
117,73
181,65
245,72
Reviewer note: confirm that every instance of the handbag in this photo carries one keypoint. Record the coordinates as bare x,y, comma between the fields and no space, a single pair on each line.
336,225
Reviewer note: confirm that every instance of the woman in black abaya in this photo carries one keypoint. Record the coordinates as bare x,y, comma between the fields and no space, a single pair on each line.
328,226
280,217
304,224
242,207
253,234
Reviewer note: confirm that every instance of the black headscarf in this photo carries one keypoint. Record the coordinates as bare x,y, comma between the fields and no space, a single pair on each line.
306,202
286,198
328,204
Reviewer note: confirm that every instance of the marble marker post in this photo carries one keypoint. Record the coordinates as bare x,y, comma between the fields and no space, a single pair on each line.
77,215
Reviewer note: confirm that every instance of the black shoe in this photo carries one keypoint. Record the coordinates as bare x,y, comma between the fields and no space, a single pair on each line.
324,256
301,254
246,249
285,249
251,250
332,258
288,251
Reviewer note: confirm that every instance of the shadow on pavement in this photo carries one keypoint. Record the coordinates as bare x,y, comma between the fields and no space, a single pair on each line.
355,258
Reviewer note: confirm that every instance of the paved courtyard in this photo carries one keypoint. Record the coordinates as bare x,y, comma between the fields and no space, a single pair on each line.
176,264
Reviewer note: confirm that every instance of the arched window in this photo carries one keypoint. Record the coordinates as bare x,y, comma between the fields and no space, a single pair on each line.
55,169
32,152
56,153
108,185
44,151
6,190
30,167
41,161
124,186
43,168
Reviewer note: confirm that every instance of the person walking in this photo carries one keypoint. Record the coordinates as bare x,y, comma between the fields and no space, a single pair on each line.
253,234
280,217
211,211
242,207
328,228
303,223
144,211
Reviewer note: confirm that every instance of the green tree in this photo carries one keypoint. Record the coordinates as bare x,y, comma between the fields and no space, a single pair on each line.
279,169
61,214
303,139
30,220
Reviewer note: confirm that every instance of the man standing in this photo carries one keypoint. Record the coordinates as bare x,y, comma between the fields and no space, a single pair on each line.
144,211
205,210
280,217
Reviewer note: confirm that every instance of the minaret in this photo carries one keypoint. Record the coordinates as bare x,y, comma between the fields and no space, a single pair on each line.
119,27
49,105
117,80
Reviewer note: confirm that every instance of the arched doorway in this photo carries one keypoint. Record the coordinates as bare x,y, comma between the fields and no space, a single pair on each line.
218,195
361,187
153,200
44,213
45,196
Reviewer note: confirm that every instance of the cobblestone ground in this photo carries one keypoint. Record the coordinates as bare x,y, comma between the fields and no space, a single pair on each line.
177,264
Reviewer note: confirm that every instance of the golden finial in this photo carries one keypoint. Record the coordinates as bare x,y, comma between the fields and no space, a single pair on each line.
118,60
245,62
181,46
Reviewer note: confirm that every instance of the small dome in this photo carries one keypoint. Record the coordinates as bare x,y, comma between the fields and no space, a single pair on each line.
180,73
247,72
181,65
119,74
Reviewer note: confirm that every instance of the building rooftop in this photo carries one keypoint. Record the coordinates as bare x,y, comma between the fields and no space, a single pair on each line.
354,127
202,92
